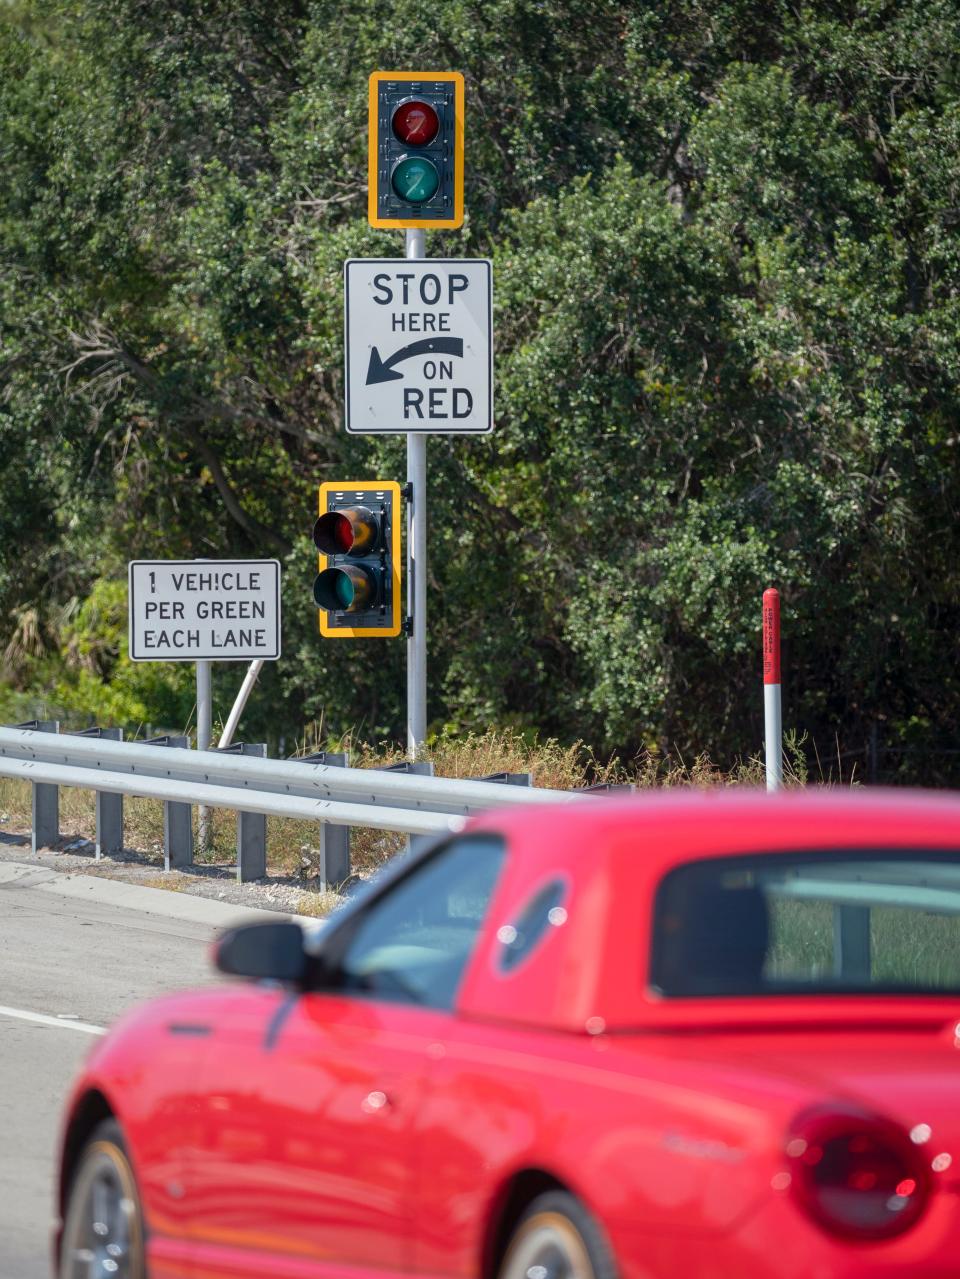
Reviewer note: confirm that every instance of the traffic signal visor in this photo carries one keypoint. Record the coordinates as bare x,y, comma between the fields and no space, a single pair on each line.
416,149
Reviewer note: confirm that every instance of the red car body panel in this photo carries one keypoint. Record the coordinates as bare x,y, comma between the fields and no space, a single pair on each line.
319,1134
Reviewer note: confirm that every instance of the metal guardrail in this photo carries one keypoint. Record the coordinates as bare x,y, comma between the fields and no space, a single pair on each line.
330,793
277,776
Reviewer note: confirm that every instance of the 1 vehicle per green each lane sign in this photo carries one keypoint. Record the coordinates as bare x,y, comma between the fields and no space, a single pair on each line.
419,346
203,610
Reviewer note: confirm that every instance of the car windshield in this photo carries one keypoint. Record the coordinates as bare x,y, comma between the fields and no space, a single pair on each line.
809,923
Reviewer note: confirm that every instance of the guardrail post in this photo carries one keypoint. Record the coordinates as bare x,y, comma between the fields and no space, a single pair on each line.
420,768
334,867
109,806
177,817
851,943
509,779
251,827
45,820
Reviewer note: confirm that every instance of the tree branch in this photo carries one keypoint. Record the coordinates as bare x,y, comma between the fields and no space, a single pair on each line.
101,344
247,522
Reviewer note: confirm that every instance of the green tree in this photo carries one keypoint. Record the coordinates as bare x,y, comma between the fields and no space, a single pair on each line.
726,287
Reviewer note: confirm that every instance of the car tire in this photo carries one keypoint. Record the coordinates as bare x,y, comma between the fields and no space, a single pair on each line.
557,1238
103,1235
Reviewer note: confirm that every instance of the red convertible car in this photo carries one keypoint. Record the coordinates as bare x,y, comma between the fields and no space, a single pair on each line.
700,1036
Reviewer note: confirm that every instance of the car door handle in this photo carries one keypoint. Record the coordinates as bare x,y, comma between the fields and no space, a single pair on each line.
375,1101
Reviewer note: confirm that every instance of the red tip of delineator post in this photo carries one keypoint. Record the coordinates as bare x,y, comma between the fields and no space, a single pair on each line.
771,636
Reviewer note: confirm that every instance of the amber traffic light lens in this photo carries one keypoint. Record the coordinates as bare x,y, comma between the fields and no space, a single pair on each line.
415,123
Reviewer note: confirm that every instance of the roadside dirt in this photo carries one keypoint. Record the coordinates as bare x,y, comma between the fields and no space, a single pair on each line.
76,855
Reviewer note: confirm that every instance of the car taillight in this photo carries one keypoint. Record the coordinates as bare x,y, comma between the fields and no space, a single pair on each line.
856,1174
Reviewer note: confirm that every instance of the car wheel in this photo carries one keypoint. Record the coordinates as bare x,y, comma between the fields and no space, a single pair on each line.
557,1238
103,1221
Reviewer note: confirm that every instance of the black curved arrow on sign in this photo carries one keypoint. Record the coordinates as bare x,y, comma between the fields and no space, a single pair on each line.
383,370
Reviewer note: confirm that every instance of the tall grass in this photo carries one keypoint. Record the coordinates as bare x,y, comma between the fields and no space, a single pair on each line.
907,946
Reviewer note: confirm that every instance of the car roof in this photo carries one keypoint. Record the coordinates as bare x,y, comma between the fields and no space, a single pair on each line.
612,853
707,820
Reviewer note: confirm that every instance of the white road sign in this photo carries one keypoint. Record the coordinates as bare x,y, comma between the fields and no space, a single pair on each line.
203,610
419,345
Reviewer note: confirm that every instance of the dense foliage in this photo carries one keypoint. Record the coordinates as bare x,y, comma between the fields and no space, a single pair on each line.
726,267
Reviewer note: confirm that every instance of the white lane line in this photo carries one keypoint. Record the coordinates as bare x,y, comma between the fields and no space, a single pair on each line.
46,1020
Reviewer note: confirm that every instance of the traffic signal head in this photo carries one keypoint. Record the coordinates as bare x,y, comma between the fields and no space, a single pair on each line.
416,149
358,536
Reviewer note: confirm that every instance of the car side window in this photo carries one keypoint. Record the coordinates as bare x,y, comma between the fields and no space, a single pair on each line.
413,944
519,939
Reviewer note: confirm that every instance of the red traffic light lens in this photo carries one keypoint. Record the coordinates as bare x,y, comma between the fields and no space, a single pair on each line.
415,123
353,530
333,534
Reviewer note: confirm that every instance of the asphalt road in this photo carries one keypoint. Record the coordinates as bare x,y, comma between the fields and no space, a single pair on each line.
78,951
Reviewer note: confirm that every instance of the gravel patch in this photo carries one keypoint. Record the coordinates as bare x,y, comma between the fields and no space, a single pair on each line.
288,895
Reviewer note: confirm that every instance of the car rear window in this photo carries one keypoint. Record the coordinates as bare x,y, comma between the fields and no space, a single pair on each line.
809,923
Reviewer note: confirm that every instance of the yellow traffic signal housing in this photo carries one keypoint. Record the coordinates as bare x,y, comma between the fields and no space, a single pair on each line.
416,149
357,533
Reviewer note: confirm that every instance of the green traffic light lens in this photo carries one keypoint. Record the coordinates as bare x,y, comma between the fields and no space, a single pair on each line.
350,589
415,179
333,590
344,591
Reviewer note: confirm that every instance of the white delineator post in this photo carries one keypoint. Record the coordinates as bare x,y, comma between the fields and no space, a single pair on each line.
772,711
416,562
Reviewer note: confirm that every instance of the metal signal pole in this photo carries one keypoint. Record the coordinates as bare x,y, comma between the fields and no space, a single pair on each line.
416,562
